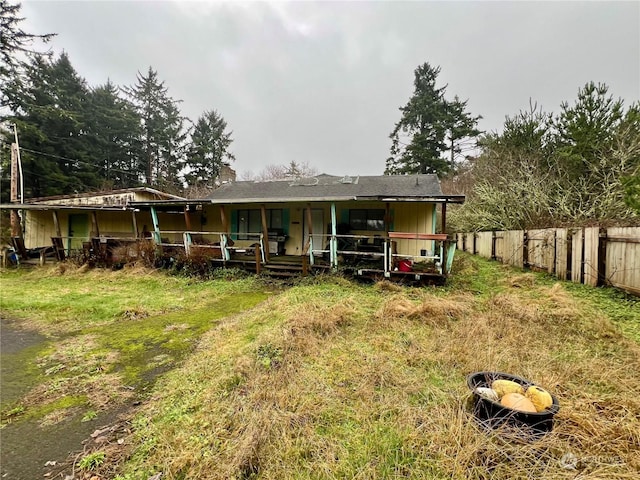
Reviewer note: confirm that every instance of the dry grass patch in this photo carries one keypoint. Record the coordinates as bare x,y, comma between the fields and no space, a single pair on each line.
333,380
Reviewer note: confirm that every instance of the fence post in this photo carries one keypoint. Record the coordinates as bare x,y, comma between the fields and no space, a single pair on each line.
258,259
525,249
602,256
493,245
551,268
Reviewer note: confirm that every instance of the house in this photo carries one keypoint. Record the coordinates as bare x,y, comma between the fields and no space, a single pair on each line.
371,225
66,222
379,226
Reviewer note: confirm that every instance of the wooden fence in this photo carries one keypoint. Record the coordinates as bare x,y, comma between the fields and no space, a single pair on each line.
591,255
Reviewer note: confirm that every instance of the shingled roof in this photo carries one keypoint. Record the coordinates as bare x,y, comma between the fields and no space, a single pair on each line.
332,188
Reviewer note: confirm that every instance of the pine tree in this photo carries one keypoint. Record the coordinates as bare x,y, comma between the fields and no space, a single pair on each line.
114,129
429,126
16,45
208,151
48,106
162,140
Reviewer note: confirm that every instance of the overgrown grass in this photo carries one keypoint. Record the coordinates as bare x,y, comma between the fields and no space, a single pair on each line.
332,379
369,382
110,332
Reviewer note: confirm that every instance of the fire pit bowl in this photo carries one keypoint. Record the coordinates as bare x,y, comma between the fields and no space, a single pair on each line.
493,414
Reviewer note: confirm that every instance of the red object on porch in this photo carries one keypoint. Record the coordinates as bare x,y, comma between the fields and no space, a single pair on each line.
405,266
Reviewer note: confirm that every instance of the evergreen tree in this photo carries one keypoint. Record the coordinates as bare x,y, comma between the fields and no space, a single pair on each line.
208,151
114,129
162,139
429,126
48,106
585,130
16,45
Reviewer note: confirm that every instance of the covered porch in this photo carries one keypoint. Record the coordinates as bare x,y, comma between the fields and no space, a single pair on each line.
376,239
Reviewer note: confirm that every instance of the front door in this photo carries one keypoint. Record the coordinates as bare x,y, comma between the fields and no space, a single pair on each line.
78,231
317,222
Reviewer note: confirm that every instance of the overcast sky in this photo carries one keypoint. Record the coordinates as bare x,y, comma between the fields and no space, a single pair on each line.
321,82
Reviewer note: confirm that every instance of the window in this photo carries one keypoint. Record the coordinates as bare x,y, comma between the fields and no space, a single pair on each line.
366,219
249,225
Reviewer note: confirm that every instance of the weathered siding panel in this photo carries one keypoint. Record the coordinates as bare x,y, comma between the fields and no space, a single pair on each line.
413,217
622,265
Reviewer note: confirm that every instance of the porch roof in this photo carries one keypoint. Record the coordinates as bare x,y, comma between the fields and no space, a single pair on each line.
325,188
333,188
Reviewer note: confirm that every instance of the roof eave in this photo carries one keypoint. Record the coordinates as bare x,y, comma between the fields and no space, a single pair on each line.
48,206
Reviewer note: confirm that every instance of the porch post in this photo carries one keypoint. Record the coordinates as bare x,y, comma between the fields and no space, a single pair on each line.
156,226
444,217
57,240
334,240
187,218
16,228
224,238
265,232
434,221
387,243
186,239
310,233
94,224
56,223
443,245
134,222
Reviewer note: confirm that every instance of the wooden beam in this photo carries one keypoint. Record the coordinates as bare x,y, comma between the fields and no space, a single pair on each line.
94,224
418,236
265,231
56,223
16,230
258,259
134,222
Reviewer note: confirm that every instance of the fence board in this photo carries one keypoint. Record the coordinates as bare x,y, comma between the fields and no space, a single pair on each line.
591,244
622,264
469,242
583,255
577,241
562,252
484,244
541,249
499,246
513,248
